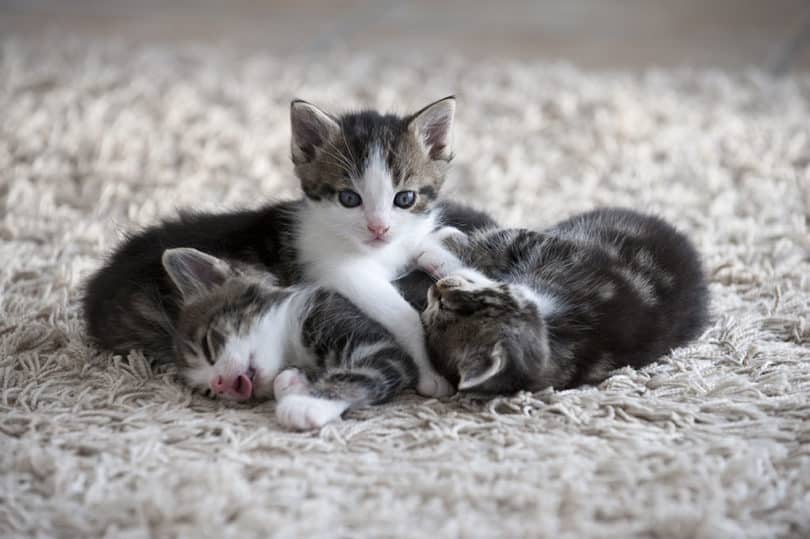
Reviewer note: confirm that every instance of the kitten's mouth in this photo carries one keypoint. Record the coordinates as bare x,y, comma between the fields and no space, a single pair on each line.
377,242
252,375
244,385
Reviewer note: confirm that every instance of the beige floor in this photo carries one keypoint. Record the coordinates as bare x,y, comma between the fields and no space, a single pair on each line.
712,442
729,34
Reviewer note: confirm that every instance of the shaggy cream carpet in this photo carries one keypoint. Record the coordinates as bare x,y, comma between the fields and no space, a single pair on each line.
714,441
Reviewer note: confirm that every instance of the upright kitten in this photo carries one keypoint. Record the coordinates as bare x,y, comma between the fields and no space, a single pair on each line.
370,183
241,336
516,309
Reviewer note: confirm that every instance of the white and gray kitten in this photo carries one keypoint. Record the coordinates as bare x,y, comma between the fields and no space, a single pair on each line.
517,310
370,183
240,336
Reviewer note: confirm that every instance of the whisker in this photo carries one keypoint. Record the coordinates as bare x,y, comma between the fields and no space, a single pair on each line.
346,167
345,162
351,153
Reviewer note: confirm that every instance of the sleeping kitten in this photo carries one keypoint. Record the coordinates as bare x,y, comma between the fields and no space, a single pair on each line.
370,183
521,310
241,336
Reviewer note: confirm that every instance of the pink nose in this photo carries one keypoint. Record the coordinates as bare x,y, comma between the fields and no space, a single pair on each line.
239,387
378,230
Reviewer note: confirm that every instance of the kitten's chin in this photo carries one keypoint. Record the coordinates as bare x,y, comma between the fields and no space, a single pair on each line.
377,243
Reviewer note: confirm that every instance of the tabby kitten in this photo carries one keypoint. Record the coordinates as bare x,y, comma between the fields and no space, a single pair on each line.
521,310
370,184
241,336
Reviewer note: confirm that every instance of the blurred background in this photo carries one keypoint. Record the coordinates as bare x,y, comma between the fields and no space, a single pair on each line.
600,34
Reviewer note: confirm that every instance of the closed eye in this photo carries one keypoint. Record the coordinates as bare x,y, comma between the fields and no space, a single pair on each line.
206,348
214,341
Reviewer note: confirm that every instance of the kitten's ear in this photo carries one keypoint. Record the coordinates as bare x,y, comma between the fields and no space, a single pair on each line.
483,368
311,128
194,272
433,127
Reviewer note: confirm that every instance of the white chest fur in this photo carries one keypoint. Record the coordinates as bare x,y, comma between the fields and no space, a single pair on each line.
329,240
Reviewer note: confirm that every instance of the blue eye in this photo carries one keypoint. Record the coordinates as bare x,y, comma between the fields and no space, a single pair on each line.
349,198
404,199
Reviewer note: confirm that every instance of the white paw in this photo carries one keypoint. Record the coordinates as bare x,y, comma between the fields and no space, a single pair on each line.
437,261
305,412
467,278
434,385
290,382
434,257
449,232
451,282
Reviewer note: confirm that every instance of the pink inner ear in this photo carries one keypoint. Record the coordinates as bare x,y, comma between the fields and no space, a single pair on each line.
436,137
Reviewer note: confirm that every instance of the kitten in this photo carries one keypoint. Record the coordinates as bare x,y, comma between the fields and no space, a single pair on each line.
240,336
521,310
370,184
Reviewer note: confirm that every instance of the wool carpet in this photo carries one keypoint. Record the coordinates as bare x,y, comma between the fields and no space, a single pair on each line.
99,138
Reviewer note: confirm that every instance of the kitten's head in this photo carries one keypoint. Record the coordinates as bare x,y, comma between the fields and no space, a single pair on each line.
218,345
487,337
372,176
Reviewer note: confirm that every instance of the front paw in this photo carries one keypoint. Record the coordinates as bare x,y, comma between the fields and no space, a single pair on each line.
290,382
305,412
447,234
434,385
432,263
437,261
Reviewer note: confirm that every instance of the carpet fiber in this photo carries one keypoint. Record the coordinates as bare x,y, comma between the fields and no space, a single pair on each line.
714,441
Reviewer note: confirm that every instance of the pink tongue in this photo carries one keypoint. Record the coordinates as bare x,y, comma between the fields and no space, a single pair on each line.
243,387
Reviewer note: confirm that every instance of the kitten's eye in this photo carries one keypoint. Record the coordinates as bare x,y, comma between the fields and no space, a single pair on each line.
206,348
213,340
405,199
349,198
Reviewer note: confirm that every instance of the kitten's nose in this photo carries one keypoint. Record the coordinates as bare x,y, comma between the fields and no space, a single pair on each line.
218,384
239,387
379,230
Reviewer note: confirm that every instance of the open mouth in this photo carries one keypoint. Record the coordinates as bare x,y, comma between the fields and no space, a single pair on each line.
245,384
253,376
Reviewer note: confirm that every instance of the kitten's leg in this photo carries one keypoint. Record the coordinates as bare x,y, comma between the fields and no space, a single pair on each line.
435,257
376,297
298,407
375,378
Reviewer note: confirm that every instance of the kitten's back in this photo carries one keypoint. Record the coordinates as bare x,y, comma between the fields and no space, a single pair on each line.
131,303
651,246
659,293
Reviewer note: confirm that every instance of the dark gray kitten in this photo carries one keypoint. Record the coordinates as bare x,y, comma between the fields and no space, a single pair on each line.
522,310
239,336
